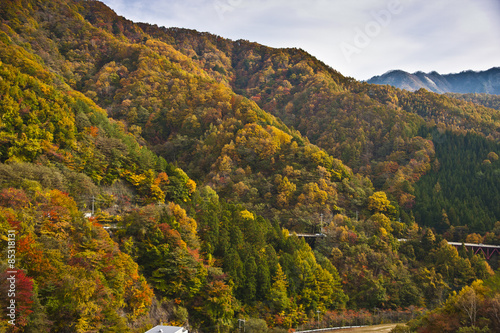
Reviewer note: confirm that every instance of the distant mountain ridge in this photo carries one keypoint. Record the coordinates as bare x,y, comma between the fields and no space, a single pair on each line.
464,82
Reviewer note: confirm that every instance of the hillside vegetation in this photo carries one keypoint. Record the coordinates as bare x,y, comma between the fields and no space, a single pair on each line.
203,157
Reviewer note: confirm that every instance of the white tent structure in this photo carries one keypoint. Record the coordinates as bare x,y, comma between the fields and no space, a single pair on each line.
167,329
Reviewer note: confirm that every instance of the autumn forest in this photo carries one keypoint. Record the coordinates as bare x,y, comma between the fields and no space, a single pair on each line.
162,175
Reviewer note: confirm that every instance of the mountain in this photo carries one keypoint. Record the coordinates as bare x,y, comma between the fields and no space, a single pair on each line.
201,158
487,82
374,130
490,101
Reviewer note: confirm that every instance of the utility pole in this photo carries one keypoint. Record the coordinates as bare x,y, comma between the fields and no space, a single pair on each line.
93,199
318,316
321,223
239,325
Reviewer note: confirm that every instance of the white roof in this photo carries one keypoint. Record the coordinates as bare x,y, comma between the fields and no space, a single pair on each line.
167,329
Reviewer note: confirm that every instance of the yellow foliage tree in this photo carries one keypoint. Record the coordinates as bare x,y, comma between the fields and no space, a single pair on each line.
378,202
285,190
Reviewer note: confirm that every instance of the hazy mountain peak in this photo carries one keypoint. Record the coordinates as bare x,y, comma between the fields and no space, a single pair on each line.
467,81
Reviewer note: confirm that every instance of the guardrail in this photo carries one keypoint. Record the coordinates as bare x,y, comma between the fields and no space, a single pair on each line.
330,329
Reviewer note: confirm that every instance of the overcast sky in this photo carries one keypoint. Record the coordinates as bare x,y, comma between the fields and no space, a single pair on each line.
359,38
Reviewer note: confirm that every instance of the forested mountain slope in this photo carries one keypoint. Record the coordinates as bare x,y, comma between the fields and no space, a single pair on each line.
373,129
490,101
204,155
